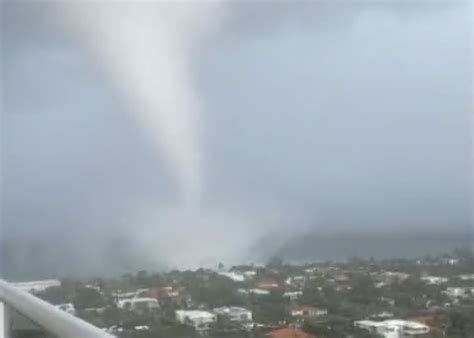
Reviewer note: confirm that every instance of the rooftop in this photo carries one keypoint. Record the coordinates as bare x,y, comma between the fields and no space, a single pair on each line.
231,309
195,313
289,332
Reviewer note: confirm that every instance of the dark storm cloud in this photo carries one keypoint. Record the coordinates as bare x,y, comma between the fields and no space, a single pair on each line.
373,105
264,17
322,117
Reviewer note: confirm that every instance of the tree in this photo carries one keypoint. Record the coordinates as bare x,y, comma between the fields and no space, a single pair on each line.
142,278
270,313
55,295
88,298
275,263
460,323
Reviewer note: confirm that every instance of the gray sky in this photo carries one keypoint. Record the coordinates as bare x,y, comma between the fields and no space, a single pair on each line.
318,117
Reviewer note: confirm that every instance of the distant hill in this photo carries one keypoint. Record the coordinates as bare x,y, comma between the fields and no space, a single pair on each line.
315,246
36,258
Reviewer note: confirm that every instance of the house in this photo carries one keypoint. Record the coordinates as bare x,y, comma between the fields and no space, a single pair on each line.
93,287
307,311
382,315
141,328
296,281
292,295
393,328
131,294
68,308
143,292
466,277
234,313
428,318
434,280
250,274
393,277
96,310
408,328
342,288
138,304
124,295
200,320
340,277
236,277
37,286
288,332
114,329
458,292
259,292
267,284
374,327
164,292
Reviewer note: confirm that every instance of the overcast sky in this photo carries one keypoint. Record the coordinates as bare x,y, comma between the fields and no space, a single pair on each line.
316,117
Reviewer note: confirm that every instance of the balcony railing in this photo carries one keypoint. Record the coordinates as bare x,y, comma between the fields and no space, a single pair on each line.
51,319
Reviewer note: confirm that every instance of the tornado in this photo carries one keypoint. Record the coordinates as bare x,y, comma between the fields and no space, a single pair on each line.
146,51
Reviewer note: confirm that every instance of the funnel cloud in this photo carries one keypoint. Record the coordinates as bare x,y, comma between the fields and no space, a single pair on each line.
145,51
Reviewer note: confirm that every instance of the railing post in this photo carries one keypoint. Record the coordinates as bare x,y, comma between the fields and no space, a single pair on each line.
5,329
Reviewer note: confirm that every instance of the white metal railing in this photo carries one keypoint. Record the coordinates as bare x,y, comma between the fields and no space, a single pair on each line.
48,317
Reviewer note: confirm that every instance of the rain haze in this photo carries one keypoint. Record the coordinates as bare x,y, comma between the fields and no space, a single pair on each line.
161,135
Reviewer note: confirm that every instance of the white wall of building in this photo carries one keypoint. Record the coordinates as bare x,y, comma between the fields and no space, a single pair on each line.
200,320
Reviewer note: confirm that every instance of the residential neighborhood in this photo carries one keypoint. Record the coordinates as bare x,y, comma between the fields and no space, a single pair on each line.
423,297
